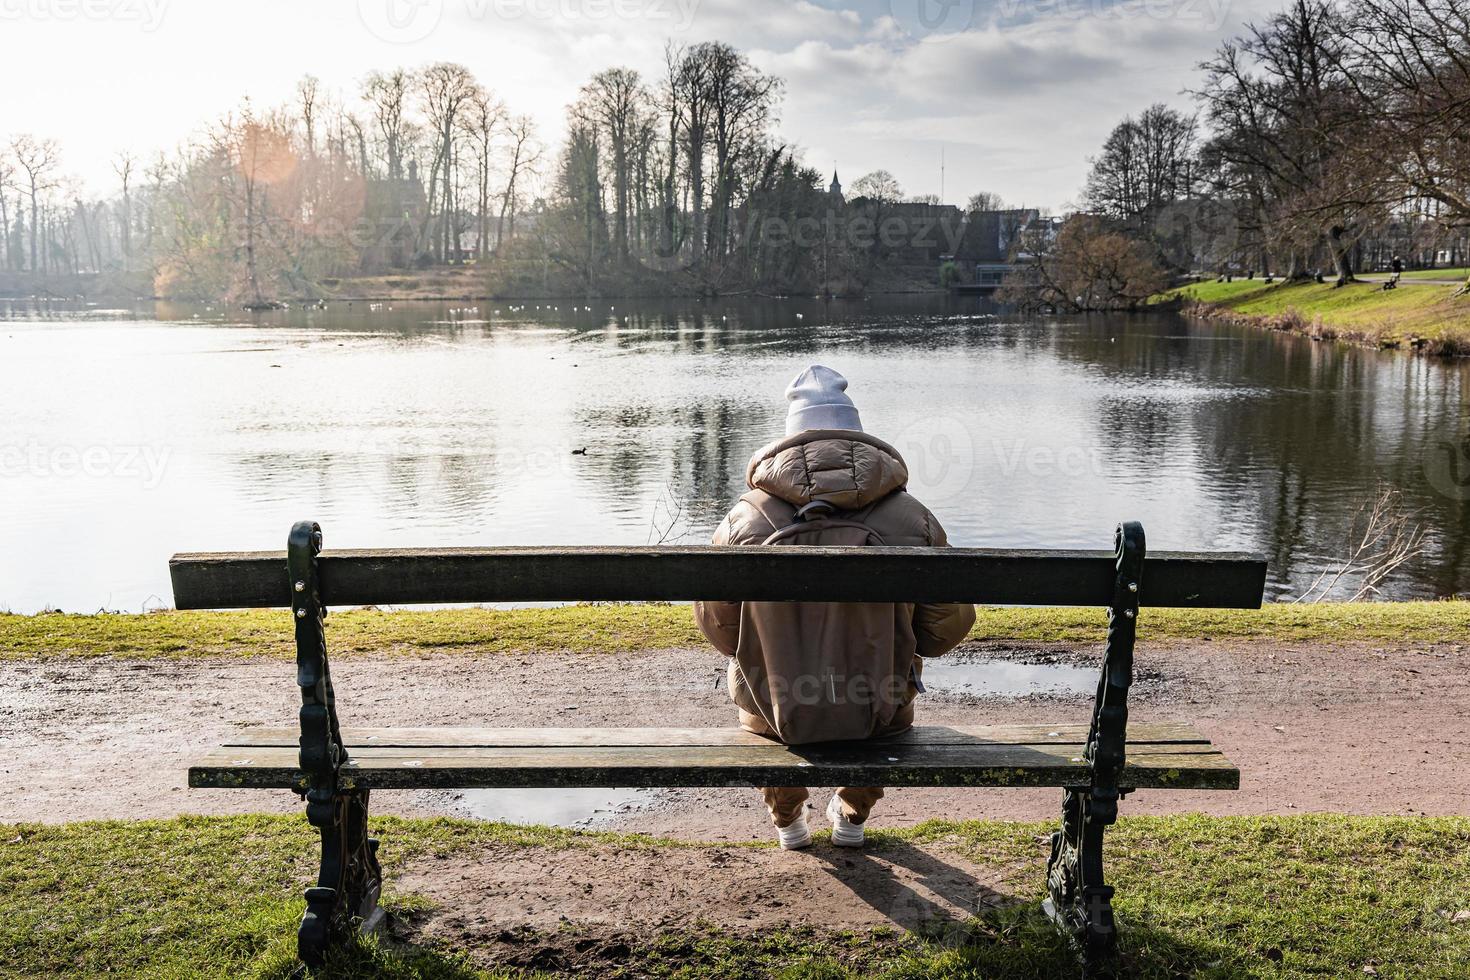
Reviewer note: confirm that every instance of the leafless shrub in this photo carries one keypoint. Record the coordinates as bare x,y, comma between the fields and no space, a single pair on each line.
669,524
1385,536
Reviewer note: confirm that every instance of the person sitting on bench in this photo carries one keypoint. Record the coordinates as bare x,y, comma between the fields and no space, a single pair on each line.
1396,267
828,671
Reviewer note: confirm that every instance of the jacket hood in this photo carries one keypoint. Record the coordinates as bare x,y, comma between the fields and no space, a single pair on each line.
846,469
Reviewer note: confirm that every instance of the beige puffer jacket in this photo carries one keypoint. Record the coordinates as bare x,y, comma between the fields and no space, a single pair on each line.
798,671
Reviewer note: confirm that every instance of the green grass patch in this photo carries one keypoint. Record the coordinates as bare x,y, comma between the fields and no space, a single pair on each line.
623,628
270,633
1390,622
1197,896
1424,315
1459,274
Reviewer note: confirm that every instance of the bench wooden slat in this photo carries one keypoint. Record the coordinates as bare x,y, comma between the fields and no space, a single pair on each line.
681,573
1140,733
889,762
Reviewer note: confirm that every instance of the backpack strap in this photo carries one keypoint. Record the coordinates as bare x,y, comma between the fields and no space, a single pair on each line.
805,511
821,524
818,515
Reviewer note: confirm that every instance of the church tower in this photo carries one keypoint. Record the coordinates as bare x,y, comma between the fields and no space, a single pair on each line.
836,189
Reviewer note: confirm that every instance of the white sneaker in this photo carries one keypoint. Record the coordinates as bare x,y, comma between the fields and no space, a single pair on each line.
796,835
845,833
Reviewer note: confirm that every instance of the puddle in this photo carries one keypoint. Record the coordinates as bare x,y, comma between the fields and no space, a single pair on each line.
1005,679
555,807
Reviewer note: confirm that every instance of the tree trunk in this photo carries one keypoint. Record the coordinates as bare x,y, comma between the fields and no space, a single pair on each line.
1341,255
433,202
696,181
35,226
252,278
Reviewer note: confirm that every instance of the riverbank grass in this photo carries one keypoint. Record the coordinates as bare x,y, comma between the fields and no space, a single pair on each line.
1197,896
625,627
1419,315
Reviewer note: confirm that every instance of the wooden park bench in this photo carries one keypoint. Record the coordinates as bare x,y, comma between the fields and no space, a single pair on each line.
1094,761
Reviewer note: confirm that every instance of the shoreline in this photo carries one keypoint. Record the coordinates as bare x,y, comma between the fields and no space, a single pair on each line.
1422,318
470,297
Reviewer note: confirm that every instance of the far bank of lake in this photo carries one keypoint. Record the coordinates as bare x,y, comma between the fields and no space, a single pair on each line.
1423,315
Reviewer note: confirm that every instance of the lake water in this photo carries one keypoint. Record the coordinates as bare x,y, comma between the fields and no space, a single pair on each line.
127,435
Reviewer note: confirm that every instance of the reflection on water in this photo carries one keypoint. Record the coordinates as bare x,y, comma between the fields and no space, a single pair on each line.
1006,679
128,436
555,807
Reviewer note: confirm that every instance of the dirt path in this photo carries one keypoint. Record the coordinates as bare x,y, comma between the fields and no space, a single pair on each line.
1350,728
579,912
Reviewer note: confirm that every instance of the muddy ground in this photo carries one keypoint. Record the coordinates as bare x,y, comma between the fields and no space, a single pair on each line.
1346,728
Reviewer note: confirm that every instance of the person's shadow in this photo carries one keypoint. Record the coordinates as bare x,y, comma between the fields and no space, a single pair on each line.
947,907
954,894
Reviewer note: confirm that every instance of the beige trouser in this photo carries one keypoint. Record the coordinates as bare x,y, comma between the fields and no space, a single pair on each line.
786,802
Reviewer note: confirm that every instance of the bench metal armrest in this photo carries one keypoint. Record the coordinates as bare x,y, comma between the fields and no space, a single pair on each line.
322,751
1108,738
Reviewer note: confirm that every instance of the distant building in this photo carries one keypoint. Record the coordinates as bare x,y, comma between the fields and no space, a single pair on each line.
994,242
393,211
835,191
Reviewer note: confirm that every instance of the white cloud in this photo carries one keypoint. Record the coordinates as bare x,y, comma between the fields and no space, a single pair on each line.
1019,99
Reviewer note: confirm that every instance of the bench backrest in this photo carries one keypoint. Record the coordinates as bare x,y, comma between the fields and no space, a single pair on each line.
976,575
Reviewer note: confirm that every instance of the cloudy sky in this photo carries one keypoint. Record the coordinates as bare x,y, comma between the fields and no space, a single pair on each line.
1015,94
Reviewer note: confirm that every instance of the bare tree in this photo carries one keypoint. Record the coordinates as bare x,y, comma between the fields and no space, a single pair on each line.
444,89
671,103
615,102
1410,61
742,103
1290,135
483,116
693,79
7,184
308,95
523,155
123,165
985,201
38,160
880,185
386,94
352,126
1146,165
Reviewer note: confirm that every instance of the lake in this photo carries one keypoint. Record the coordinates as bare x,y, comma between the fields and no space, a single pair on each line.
127,435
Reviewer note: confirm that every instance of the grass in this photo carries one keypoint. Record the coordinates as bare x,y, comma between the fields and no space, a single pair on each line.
1456,274
1197,896
1426,316
622,628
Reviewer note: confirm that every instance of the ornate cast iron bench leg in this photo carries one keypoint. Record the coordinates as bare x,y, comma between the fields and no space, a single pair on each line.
1080,902
350,881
